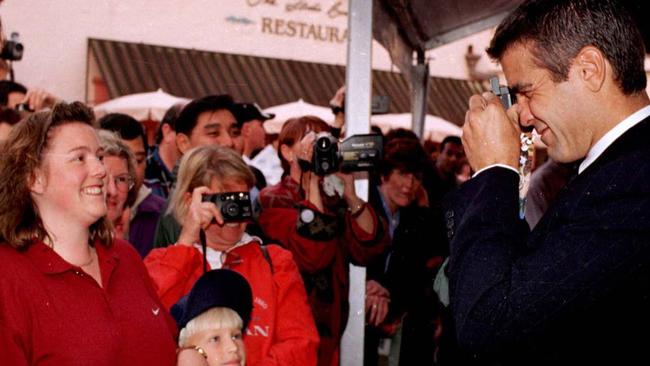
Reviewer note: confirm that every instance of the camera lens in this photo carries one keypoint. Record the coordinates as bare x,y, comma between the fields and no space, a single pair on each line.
230,209
324,143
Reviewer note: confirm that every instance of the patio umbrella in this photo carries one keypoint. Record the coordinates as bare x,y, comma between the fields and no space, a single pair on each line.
141,106
435,128
299,108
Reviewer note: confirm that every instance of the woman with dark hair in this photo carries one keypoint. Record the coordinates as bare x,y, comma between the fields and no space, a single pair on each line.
323,222
70,294
399,282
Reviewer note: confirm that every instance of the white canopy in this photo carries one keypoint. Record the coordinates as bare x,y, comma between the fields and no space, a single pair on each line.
299,108
141,106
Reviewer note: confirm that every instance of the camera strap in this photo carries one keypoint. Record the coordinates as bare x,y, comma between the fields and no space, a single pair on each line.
204,247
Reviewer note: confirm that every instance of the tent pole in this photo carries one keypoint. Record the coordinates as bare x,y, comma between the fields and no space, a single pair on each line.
358,81
420,85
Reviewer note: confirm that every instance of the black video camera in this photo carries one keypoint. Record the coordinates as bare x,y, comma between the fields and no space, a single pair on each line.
234,206
12,49
356,153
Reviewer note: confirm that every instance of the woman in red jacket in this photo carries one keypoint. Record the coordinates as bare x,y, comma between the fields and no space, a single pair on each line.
70,294
281,330
325,225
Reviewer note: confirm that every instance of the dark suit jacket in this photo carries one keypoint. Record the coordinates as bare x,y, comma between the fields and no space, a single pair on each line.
573,291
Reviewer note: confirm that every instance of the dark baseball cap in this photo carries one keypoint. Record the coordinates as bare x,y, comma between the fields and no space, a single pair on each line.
245,112
216,288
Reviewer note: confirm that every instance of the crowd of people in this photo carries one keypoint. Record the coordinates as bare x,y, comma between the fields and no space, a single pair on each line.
221,244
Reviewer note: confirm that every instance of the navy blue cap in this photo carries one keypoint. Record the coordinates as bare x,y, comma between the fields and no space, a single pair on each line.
216,288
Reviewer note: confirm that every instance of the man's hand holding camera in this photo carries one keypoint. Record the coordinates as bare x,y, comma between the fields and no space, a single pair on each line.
491,135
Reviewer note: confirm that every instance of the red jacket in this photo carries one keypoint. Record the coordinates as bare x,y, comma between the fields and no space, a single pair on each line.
323,264
281,330
53,313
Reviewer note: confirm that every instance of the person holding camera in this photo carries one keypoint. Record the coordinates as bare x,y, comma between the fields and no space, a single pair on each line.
575,289
282,330
323,222
70,294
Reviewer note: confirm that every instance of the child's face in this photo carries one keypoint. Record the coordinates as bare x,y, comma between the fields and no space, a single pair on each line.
224,346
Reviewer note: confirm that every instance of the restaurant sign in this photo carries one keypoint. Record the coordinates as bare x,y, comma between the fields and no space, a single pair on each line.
304,19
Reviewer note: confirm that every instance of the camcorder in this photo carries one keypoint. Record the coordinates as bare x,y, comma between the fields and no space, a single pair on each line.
356,153
12,49
234,206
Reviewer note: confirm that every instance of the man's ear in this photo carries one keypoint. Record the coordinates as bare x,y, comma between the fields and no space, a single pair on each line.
591,67
169,135
183,142
246,129
287,153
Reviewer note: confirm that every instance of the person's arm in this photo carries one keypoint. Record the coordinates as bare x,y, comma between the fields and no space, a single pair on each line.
295,337
361,245
506,285
280,220
173,270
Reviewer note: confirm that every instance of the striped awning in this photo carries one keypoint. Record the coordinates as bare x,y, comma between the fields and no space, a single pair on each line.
129,68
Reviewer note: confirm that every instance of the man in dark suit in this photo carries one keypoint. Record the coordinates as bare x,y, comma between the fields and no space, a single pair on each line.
575,290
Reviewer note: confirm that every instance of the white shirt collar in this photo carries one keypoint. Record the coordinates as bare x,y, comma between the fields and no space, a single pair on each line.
613,134
214,256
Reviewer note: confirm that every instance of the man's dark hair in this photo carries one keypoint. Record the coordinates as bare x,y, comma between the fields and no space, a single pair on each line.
7,87
406,155
558,30
126,126
168,119
400,133
188,117
450,140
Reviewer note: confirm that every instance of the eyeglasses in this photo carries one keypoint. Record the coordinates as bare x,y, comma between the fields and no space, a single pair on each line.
123,182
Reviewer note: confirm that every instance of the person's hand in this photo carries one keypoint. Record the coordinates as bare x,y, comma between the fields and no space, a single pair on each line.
377,302
349,191
336,103
490,134
38,99
199,216
305,149
190,357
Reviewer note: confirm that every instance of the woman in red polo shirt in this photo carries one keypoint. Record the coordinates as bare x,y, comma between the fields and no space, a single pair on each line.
70,294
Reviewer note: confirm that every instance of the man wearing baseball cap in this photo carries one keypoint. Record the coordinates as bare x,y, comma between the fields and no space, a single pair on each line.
256,152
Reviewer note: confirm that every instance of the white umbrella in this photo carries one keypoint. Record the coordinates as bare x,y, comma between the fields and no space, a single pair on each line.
435,128
141,106
300,108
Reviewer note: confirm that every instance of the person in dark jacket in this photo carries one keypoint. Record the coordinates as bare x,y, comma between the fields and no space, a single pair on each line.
575,289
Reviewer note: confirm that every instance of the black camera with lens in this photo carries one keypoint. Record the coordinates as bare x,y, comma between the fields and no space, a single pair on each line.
12,49
234,206
356,153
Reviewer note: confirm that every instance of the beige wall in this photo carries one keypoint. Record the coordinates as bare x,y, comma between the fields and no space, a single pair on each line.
55,34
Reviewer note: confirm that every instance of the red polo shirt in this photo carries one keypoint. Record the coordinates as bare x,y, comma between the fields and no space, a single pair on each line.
52,313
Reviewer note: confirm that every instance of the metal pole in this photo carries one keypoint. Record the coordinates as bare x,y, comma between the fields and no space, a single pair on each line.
420,81
358,81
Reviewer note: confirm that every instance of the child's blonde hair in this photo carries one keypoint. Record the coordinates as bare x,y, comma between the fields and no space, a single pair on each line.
215,318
